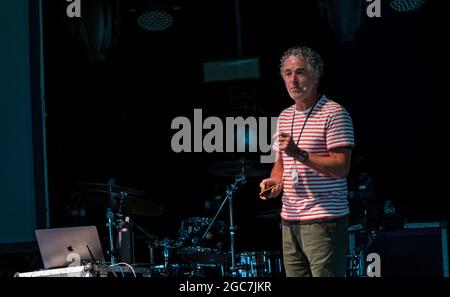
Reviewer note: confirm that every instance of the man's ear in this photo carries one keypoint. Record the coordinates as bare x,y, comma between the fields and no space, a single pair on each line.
316,80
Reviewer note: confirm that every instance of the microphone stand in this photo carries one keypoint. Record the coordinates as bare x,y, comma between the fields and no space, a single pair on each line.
239,180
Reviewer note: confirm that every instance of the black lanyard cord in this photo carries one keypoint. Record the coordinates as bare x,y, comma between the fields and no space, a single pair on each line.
304,124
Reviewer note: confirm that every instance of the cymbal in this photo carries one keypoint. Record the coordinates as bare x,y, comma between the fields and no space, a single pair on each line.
130,205
233,168
105,188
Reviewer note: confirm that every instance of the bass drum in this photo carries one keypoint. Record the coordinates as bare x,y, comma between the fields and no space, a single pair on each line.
260,264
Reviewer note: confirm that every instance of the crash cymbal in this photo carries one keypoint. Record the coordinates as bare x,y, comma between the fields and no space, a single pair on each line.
233,168
105,188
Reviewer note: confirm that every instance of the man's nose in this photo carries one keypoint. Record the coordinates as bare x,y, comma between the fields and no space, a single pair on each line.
294,79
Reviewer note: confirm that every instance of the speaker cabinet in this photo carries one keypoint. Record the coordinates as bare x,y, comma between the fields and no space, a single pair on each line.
417,250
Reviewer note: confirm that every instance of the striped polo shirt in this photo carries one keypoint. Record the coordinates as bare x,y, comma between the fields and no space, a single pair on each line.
315,196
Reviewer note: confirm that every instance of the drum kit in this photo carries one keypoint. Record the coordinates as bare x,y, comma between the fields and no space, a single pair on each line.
205,246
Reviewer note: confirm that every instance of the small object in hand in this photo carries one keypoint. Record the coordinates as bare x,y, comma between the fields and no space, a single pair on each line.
266,191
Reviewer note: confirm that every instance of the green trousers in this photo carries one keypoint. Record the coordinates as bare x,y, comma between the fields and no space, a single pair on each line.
315,249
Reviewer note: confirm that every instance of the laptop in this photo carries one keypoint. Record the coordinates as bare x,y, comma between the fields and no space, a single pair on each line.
73,246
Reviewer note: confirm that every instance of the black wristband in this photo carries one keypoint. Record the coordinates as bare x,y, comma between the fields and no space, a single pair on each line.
301,156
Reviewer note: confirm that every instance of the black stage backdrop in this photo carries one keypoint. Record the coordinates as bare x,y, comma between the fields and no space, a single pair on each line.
111,117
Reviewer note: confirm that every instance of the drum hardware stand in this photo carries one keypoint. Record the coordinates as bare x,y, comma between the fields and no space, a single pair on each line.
125,239
125,236
110,224
239,180
167,244
111,252
356,259
166,252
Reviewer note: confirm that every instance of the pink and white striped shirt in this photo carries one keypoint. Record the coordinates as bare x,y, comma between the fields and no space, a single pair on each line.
315,196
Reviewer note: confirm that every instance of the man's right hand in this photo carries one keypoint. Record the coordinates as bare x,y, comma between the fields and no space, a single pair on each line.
268,182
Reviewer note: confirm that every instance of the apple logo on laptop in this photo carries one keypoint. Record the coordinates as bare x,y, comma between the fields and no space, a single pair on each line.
70,248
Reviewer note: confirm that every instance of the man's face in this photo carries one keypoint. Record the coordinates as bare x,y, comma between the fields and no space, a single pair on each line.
299,81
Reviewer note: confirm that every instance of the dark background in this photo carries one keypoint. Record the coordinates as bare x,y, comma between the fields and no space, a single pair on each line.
112,118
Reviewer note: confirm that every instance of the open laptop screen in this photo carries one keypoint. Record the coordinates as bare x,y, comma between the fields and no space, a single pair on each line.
63,247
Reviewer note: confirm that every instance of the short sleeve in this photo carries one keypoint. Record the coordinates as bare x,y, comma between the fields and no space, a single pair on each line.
340,130
275,146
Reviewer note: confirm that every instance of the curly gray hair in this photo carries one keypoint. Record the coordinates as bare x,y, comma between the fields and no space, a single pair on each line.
312,59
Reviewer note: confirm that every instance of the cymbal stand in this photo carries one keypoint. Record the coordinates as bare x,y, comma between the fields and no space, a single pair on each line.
110,217
239,180
110,224
166,252
124,252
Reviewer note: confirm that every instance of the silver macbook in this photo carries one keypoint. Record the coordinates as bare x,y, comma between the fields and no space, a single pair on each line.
73,246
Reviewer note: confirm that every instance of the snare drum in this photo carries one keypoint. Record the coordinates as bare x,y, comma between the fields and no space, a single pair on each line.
259,264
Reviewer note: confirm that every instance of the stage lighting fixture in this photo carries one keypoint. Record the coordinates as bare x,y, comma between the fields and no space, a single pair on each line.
406,5
155,16
155,20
